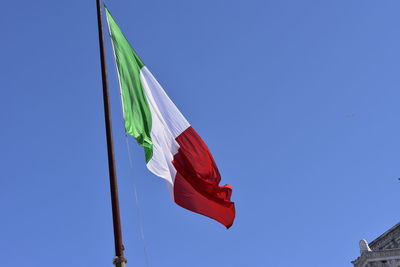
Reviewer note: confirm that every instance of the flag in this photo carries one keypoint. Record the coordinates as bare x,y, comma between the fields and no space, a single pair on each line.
173,150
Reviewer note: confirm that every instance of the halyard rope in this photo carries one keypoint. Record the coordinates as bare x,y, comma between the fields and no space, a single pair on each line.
138,211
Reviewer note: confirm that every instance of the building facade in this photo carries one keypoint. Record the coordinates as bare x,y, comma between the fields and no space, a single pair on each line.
384,251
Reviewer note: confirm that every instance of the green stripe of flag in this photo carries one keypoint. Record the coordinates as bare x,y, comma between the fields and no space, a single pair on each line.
137,113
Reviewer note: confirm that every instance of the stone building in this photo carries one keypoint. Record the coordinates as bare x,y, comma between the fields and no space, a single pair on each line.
384,251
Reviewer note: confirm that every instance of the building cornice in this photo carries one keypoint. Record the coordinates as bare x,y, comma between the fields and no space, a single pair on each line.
385,238
369,256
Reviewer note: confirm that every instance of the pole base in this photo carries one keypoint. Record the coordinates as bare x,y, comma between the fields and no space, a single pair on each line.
120,261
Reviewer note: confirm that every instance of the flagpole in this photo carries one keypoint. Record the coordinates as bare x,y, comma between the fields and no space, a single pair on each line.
119,259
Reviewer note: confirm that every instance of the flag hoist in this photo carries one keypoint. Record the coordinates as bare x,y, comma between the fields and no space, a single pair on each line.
173,150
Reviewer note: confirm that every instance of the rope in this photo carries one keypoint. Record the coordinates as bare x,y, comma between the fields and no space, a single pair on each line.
138,211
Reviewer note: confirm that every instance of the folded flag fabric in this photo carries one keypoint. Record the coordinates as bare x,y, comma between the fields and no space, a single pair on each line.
173,149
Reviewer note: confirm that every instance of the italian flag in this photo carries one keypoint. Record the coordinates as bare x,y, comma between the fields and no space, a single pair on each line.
173,149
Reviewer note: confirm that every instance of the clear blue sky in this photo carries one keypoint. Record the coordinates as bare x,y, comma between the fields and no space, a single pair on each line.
297,100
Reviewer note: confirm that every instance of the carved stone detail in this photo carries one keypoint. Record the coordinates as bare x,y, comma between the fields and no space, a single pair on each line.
382,252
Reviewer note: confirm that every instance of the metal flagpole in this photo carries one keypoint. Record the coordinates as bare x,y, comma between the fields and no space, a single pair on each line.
119,259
